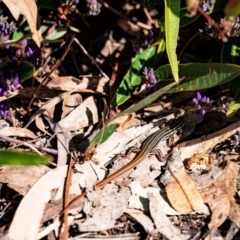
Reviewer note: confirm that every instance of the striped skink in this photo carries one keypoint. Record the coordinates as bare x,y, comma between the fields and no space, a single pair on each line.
148,145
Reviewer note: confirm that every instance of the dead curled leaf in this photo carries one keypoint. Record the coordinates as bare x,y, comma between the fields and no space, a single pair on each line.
182,182
108,208
52,102
142,218
177,198
162,222
26,221
17,132
70,102
28,8
219,205
66,83
228,183
21,179
84,115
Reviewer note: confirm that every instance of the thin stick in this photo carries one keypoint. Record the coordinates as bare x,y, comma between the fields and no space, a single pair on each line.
46,78
66,196
91,58
148,15
16,141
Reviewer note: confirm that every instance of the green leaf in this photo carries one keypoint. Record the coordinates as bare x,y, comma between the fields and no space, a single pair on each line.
172,9
134,76
197,76
233,108
21,31
184,19
145,102
160,49
101,136
229,52
21,158
57,33
24,69
17,35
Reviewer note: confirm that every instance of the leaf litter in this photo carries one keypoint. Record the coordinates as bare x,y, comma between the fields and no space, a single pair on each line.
67,111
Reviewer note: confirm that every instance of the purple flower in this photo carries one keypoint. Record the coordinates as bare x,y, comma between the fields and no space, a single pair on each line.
22,52
201,104
194,101
6,29
204,99
94,7
32,55
202,112
149,78
199,96
4,109
24,42
9,82
18,53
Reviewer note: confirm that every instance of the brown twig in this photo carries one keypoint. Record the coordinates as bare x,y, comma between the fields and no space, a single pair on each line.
214,24
66,196
16,141
46,78
91,58
140,24
209,19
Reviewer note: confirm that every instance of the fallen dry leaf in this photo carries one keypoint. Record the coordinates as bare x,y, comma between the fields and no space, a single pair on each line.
52,102
206,179
82,116
66,83
41,125
139,198
21,179
162,222
228,183
219,205
27,219
28,8
186,184
177,198
70,103
143,219
17,132
54,208
109,206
